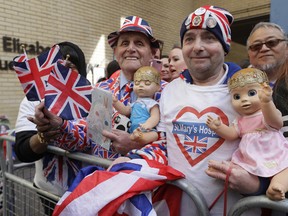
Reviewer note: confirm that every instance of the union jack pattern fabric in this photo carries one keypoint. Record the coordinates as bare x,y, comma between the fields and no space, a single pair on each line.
68,94
73,138
132,197
195,144
33,73
215,19
60,169
136,22
132,23
224,20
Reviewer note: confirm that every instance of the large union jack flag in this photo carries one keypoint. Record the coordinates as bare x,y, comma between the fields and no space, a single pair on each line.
68,94
33,73
138,179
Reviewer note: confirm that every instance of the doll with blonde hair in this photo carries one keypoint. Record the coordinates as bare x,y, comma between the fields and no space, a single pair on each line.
262,149
144,112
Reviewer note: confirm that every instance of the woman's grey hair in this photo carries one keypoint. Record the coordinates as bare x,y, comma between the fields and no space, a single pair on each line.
266,25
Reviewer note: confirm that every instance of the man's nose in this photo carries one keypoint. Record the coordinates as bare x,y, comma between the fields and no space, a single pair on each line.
131,47
198,44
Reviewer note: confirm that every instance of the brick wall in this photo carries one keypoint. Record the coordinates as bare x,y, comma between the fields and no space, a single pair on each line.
87,23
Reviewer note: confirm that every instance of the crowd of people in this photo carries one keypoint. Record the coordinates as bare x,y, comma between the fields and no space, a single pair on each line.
194,86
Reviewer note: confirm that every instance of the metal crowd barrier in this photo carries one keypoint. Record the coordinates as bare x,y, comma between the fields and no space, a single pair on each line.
11,181
19,195
183,184
262,201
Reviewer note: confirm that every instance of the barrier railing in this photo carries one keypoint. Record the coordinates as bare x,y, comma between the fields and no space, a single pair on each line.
240,207
262,201
183,184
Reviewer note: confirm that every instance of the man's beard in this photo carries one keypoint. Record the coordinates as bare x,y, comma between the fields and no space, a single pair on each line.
270,69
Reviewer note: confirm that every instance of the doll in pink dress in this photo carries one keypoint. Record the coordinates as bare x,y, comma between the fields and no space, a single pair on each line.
263,150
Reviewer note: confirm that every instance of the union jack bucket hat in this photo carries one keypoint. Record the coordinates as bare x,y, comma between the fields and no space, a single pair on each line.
214,19
133,24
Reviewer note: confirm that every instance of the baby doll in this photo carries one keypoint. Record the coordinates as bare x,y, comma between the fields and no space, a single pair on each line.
144,112
263,149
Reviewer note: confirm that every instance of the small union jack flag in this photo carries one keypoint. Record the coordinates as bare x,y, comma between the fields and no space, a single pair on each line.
68,94
33,73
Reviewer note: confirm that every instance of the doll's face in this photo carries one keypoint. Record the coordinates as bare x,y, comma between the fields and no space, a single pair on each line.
145,88
245,99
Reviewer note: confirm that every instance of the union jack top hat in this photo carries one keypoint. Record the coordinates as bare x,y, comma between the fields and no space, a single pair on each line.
133,24
214,19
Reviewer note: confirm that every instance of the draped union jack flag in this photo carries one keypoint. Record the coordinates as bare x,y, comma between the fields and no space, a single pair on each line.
138,178
68,94
33,73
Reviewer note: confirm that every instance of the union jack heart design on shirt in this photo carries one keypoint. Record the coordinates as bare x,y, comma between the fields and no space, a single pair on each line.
195,140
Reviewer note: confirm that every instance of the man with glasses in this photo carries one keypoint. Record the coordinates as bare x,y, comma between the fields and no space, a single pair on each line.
267,48
268,51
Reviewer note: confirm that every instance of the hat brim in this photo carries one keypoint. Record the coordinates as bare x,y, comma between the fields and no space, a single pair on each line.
113,37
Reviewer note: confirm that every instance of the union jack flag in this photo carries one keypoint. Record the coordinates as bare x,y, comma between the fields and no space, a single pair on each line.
195,144
68,94
33,73
138,179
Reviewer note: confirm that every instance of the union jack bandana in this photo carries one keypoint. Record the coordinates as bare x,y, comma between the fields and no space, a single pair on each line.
133,24
214,19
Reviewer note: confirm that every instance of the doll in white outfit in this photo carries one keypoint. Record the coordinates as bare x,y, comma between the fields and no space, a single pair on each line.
144,112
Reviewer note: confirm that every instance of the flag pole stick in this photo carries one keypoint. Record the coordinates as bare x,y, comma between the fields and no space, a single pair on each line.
24,50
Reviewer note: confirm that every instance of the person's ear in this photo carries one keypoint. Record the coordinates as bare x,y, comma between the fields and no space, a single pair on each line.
114,53
154,50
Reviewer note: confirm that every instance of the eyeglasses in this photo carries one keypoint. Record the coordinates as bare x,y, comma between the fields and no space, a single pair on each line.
270,44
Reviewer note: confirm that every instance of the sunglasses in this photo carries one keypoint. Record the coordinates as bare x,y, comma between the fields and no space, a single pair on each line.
270,44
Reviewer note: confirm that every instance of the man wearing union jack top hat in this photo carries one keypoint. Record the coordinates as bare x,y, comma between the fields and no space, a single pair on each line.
134,46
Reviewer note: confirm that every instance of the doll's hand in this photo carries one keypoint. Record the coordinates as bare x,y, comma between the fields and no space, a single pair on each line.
144,127
212,123
265,93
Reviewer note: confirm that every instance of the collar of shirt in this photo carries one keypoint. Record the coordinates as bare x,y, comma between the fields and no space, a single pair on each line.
123,82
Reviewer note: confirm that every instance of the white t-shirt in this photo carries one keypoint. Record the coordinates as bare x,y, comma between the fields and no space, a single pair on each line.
190,143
